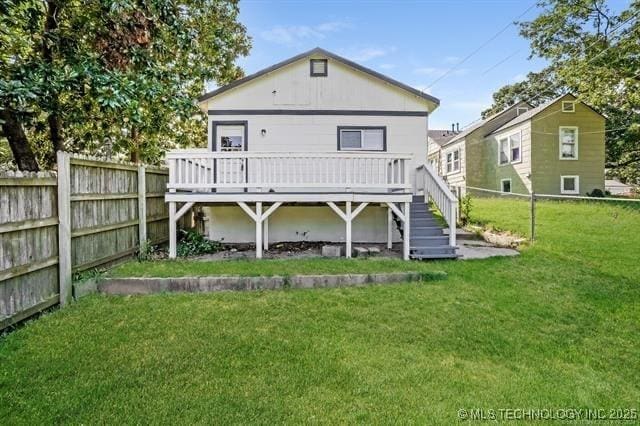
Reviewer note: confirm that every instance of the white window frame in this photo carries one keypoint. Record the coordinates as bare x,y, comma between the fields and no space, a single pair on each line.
324,73
568,192
510,146
572,107
362,129
519,160
500,140
502,181
577,142
453,161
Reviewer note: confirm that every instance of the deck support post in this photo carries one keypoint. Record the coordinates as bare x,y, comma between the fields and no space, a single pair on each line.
406,231
174,217
405,216
348,215
258,219
172,231
348,230
389,228
266,234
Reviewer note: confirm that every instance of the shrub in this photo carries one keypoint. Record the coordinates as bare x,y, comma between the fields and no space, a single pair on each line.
193,243
465,209
597,193
146,251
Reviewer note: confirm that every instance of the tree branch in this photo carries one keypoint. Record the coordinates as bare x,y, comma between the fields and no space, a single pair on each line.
624,163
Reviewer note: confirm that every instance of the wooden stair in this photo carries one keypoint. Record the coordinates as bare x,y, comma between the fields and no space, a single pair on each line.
427,239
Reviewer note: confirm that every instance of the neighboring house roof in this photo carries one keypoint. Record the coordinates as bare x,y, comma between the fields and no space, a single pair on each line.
441,137
529,114
612,183
478,124
319,51
537,110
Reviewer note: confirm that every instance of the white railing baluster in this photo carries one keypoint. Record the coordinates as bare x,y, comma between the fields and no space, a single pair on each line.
204,171
437,190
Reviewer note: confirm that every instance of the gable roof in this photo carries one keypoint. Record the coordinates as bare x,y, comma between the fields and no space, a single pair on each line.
319,51
482,122
441,137
534,111
529,114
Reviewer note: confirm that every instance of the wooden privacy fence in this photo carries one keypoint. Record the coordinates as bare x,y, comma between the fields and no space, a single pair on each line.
86,216
28,245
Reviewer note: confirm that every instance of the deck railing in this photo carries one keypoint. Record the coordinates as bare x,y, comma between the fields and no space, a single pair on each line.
436,189
193,170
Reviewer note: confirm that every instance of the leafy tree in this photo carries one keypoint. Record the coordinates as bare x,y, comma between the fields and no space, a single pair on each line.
113,76
593,53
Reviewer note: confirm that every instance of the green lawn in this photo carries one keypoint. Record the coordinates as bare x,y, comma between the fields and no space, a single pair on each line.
556,327
195,268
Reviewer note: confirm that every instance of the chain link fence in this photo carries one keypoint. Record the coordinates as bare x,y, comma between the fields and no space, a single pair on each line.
527,214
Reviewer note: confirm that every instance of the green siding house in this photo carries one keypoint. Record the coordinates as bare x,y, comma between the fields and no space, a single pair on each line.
556,148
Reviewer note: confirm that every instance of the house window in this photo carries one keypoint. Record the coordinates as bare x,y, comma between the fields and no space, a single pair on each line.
568,106
319,67
505,185
515,144
504,151
569,184
362,138
453,161
568,143
521,110
510,149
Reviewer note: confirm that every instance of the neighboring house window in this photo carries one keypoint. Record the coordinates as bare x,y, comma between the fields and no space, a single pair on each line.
510,149
453,161
568,143
515,143
362,138
568,106
504,151
569,184
319,67
505,185
521,110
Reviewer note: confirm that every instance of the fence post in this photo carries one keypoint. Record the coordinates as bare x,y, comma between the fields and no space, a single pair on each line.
142,205
533,216
64,227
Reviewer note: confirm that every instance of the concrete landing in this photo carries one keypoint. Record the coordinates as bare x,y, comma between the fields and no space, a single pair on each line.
478,249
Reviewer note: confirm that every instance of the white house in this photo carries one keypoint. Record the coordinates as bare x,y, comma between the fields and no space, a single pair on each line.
315,148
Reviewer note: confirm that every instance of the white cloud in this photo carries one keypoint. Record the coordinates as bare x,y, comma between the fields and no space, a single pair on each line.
368,53
333,26
387,66
360,53
291,35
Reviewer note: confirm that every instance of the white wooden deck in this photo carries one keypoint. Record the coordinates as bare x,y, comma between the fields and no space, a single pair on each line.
288,171
261,182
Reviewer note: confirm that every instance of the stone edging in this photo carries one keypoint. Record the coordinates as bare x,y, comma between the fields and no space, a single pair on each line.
128,286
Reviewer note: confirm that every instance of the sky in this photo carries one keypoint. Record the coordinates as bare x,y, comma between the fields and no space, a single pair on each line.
421,43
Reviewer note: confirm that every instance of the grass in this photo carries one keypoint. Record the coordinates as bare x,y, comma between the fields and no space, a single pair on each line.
194,268
555,327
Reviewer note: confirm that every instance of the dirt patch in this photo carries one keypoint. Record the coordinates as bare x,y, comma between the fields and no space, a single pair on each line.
289,250
498,238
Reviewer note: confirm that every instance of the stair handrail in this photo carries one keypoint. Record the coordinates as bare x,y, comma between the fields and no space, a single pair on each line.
436,189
